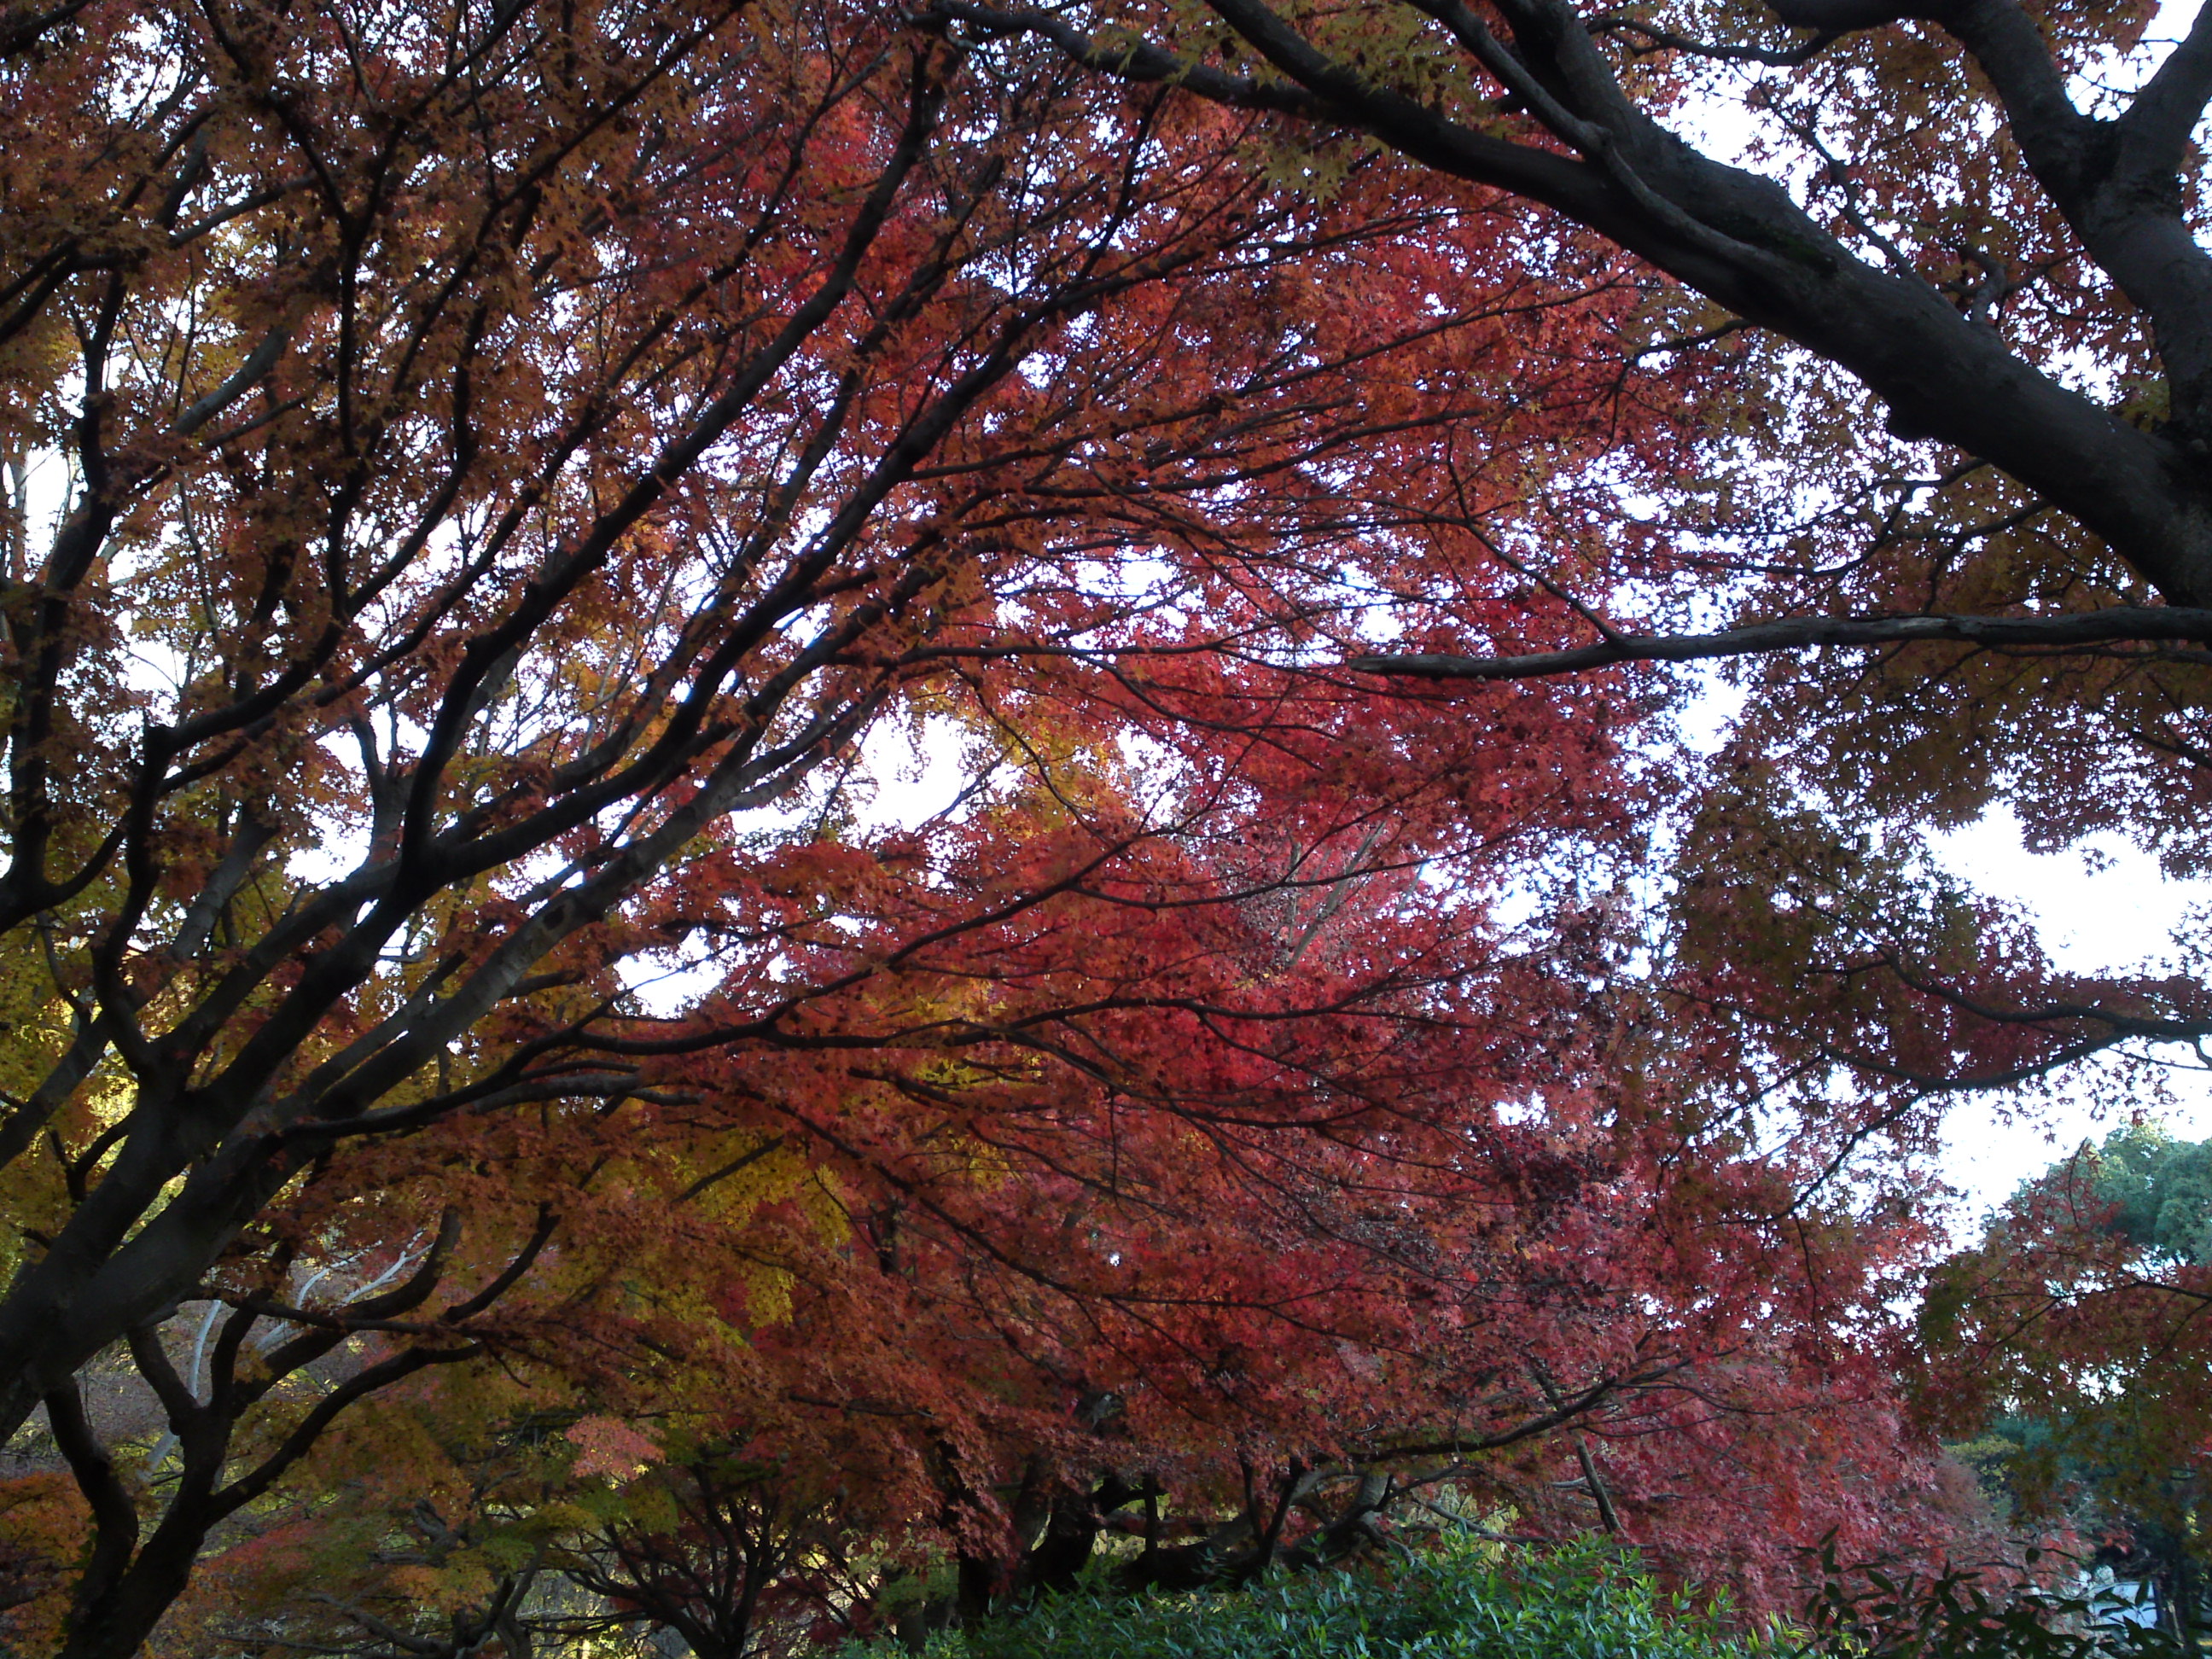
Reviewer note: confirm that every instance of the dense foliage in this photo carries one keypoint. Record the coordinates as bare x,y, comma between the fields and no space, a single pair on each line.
1458,1598
1964,1612
807,801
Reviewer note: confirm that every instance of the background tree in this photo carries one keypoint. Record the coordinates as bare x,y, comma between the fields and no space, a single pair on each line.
2075,1331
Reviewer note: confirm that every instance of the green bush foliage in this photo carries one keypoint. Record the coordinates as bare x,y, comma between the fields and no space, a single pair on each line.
1460,1599
1865,1612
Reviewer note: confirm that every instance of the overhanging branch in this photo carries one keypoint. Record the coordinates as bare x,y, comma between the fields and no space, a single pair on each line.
2119,624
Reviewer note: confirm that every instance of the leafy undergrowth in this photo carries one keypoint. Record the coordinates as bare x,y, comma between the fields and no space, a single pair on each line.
1459,1600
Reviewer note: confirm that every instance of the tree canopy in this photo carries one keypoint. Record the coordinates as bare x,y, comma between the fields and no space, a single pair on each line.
518,1126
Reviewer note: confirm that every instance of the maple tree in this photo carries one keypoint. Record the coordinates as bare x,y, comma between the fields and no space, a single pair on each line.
1945,298
485,489
349,564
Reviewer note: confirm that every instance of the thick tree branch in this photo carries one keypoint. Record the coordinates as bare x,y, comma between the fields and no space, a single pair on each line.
2119,624
2156,129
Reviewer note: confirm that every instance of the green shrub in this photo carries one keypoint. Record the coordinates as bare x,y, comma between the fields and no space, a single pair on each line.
1865,1611
1458,1600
